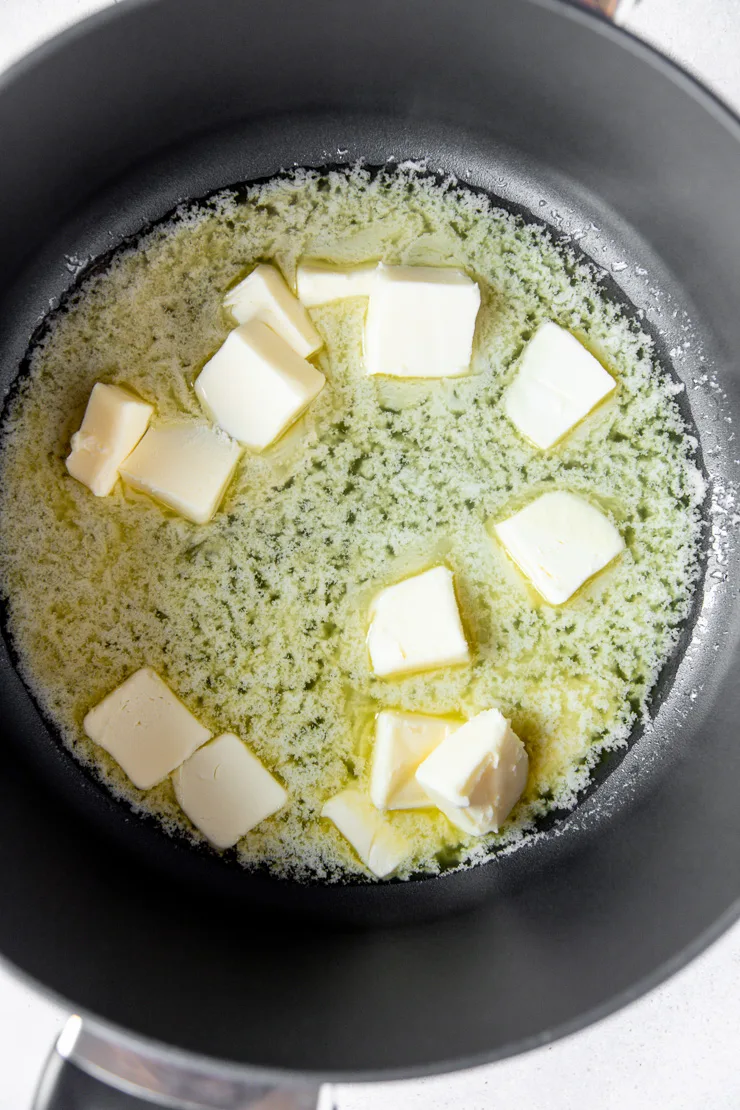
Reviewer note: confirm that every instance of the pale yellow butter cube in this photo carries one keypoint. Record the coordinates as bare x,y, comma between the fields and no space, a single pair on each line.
477,775
559,541
420,322
380,847
557,384
265,296
114,422
415,625
146,729
256,386
319,284
402,741
185,466
225,790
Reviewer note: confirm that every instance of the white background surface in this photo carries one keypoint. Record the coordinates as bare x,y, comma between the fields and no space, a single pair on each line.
677,1048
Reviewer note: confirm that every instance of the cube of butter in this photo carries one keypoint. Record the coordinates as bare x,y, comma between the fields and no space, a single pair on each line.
185,466
559,541
402,741
225,790
477,775
557,384
380,847
415,625
146,729
256,386
265,296
420,322
114,422
318,284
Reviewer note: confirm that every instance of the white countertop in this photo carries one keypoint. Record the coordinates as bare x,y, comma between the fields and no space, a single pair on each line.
675,1049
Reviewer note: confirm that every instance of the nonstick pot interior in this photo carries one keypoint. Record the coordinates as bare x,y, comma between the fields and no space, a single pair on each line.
567,118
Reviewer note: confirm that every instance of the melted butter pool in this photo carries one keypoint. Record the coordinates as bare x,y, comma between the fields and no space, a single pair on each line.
258,620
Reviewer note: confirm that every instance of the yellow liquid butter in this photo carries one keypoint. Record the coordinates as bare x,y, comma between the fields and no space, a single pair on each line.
258,619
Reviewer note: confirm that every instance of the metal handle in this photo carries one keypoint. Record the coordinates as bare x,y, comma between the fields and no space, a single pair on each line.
65,1087
88,1071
